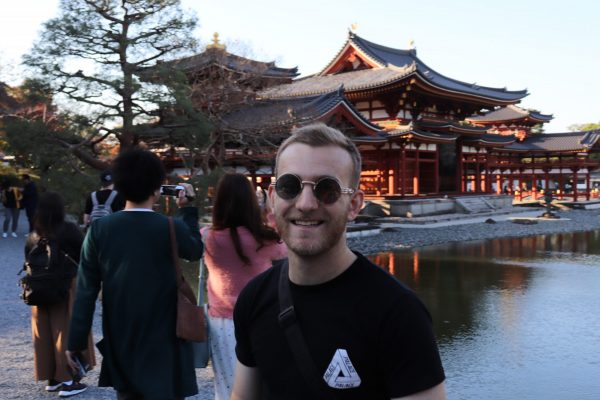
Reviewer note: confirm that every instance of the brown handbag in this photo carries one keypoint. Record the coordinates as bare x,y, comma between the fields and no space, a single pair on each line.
191,320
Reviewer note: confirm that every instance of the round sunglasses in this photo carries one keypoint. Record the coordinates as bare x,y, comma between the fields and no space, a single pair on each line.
327,189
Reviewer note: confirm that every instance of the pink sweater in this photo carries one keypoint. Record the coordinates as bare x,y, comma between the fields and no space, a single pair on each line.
227,273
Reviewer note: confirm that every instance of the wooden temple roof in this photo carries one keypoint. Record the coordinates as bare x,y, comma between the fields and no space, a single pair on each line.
510,113
385,66
221,58
451,127
556,142
268,114
490,140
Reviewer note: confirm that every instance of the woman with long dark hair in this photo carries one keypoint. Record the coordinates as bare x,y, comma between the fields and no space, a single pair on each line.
50,323
239,245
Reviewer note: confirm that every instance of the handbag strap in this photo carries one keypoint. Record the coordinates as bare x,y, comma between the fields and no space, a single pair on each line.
293,334
175,253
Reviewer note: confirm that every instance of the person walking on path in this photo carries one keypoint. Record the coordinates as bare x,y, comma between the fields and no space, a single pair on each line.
11,199
30,199
364,334
50,323
128,253
239,246
104,201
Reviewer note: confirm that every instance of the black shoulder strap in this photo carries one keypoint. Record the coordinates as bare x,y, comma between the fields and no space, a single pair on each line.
295,339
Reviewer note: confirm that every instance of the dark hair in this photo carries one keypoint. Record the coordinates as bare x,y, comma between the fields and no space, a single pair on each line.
49,214
235,205
26,177
137,174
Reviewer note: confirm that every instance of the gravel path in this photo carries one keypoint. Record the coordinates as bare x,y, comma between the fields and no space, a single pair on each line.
16,354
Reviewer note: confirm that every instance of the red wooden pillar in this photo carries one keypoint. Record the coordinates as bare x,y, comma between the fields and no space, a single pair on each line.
417,173
498,184
459,169
488,173
546,179
587,185
477,173
561,182
436,167
575,178
520,184
403,174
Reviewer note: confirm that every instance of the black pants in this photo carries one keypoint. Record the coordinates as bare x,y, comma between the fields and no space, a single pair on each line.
135,396
30,211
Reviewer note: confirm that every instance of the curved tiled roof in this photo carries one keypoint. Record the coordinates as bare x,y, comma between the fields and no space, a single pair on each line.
424,135
449,126
490,139
399,58
393,65
232,62
556,142
352,81
285,112
510,113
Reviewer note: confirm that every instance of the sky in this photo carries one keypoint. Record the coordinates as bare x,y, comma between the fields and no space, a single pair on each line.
549,47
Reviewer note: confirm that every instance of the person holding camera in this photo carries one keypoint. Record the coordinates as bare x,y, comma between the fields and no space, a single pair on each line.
129,254
50,322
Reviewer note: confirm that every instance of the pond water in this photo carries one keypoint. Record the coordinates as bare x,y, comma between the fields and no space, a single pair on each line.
515,318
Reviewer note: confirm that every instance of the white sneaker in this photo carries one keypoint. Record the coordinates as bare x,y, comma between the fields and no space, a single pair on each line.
4,235
14,234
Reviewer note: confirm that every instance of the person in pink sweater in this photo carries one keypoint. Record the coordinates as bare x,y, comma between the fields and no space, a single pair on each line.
238,246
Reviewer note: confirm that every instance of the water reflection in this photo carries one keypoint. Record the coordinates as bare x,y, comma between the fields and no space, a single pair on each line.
516,317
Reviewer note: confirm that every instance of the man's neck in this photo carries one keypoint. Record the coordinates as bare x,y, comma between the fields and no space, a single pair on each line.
321,268
148,204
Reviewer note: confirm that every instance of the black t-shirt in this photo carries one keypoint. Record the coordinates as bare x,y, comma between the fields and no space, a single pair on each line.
102,195
369,335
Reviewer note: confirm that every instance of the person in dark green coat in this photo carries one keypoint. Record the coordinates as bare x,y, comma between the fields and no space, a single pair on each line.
128,254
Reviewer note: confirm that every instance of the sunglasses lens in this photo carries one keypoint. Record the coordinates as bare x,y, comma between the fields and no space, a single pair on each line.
288,186
328,191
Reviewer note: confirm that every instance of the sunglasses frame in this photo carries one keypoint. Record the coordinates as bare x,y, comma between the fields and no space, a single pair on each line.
343,190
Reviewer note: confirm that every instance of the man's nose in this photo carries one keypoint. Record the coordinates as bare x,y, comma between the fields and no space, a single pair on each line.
306,199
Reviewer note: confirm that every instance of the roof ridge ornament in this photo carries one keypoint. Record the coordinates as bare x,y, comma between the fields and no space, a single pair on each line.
215,43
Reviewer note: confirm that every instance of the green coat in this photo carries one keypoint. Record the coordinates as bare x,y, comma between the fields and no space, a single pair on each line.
129,254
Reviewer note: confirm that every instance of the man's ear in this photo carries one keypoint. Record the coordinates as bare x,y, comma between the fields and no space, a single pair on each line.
356,203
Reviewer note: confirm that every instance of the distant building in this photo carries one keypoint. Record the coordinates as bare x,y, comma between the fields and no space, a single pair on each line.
420,133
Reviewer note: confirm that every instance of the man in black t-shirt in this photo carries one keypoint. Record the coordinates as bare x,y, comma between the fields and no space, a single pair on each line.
367,335
117,203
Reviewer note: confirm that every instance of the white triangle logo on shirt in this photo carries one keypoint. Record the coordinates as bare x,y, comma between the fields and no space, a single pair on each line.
340,373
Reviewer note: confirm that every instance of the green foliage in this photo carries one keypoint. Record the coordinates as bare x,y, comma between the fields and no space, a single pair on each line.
93,50
537,129
39,150
585,127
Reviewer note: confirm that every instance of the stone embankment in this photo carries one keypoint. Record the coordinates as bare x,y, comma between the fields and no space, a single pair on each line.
403,236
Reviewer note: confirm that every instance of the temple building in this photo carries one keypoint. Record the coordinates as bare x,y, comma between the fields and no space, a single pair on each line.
421,134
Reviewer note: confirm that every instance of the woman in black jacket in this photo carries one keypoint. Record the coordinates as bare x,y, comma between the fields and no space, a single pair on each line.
50,323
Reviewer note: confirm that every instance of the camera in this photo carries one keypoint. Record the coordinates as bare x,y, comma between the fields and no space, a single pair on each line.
171,190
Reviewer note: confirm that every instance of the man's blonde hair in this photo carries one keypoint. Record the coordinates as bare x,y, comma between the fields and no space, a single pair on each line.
321,135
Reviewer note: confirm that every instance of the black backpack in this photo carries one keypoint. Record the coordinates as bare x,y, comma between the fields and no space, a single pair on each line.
47,277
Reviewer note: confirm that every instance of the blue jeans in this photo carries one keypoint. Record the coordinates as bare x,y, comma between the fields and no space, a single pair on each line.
11,214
